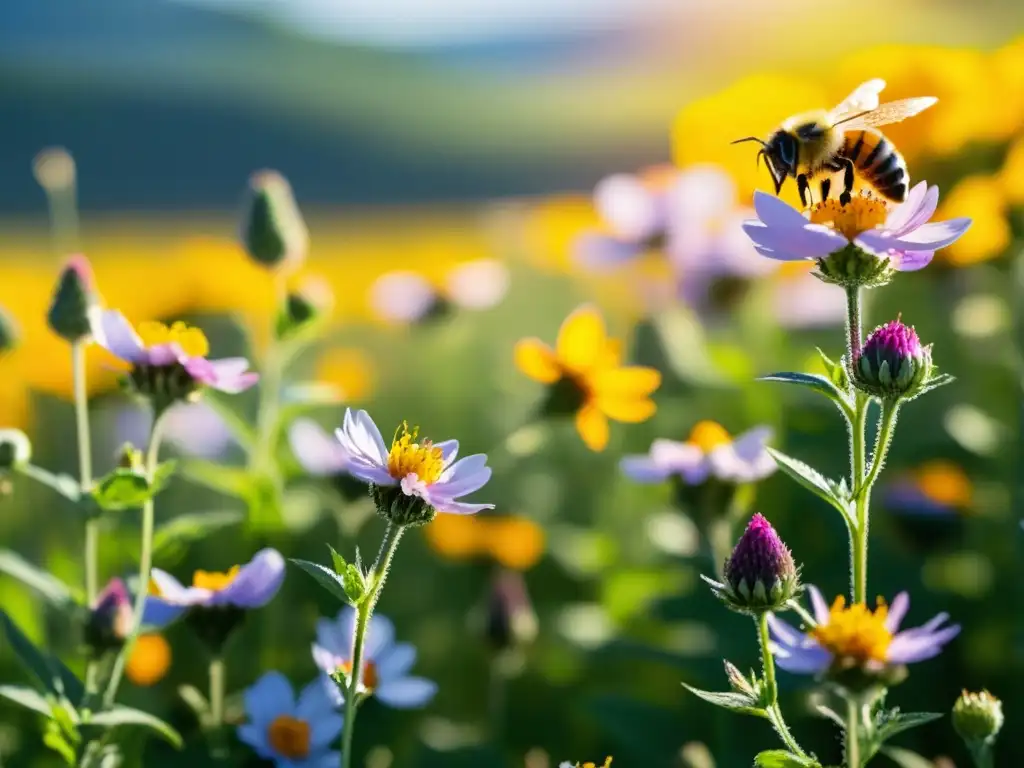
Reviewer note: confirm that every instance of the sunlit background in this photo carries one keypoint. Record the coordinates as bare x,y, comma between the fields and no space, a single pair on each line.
445,155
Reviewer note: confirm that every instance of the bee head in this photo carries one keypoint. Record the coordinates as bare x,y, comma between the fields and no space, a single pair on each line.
779,153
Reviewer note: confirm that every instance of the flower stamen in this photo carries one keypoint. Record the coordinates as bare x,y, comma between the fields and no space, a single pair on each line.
708,435
289,737
855,632
213,580
862,213
191,340
408,457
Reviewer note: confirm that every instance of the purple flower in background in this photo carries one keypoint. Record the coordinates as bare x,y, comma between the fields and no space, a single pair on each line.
903,235
386,664
801,300
248,586
414,470
174,354
292,733
478,284
708,452
402,297
316,450
856,636
937,488
194,428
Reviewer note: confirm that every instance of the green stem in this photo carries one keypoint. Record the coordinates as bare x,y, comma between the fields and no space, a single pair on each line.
886,427
768,670
852,735
981,756
853,325
50,480
217,674
858,528
379,574
145,565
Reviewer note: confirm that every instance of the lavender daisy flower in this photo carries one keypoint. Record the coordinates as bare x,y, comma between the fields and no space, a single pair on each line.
877,240
403,297
386,664
708,452
169,363
857,637
292,733
479,284
247,586
412,480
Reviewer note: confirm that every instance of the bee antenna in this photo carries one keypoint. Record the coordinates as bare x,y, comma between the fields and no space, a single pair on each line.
760,155
750,138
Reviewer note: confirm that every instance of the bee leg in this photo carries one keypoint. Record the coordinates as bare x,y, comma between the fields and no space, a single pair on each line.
826,185
847,192
803,187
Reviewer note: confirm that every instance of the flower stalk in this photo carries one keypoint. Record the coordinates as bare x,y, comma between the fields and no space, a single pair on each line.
768,672
852,734
145,564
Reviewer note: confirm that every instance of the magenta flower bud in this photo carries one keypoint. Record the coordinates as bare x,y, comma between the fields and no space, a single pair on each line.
760,574
73,301
892,363
110,619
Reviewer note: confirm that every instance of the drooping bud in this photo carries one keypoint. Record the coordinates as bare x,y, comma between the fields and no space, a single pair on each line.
511,621
8,333
304,307
977,718
74,301
110,619
15,449
760,574
892,364
273,230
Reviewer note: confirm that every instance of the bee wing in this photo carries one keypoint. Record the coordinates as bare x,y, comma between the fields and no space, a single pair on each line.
863,99
886,114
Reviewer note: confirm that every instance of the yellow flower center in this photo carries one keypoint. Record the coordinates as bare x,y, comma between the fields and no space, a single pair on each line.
289,737
606,764
191,340
862,213
369,679
944,483
407,457
708,435
213,580
855,632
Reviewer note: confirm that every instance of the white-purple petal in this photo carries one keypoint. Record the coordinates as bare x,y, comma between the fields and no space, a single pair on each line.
256,582
805,660
597,251
909,647
267,698
457,507
232,375
777,213
927,237
396,661
632,209
811,241
115,334
379,637
643,469
821,611
406,692
462,485
449,451
898,609
317,452
782,632
911,261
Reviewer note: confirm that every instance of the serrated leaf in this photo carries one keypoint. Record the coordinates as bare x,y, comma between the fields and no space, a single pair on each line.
934,383
354,583
29,574
780,758
814,381
340,566
26,697
904,758
126,716
811,479
173,536
897,722
731,700
325,577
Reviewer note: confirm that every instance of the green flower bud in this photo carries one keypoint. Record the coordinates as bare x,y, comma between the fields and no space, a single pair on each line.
273,231
74,301
15,449
304,308
978,717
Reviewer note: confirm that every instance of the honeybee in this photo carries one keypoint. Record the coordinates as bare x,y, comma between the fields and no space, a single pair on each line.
843,139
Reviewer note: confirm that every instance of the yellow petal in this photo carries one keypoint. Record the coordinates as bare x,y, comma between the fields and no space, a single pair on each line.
592,426
536,359
581,339
515,542
626,383
612,355
629,410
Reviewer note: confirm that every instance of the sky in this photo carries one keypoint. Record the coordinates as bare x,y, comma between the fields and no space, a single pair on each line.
419,23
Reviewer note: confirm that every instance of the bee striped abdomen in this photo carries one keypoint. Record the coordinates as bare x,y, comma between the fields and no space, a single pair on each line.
878,163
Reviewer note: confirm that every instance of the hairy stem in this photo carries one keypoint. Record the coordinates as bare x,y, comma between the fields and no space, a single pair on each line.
145,565
852,735
853,325
768,671
379,574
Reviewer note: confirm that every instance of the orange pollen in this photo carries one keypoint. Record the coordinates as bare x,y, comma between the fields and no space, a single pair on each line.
708,435
369,679
213,580
856,632
862,213
289,737
408,457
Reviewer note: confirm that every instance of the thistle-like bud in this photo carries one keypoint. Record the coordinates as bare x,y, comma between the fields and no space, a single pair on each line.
15,449
8,332
892,364
760,574
977,717
273,231
399,508
511,621
74,301
110,619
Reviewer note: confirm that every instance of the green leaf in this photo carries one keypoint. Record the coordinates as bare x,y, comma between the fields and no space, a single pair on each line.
46,584
904,758
354,583
127,489
836,371
162,475
55,739
895,722
34,660
197,702
736,702
231,481
780,758
813,381
171,538
325,577
340,566
122,716
812,480
934,383
26,697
